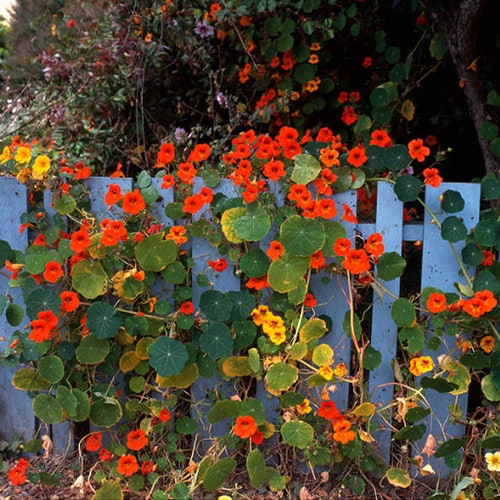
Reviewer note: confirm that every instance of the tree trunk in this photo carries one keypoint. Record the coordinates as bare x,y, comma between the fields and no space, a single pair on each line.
459,24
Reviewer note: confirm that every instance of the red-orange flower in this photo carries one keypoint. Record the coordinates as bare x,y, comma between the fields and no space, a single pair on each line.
275,250
348,214
325,208
52,272
349,116
80,240
165,414
357,156
127,465
186,172
374,245
177,233
192,204
356,261
133,202
245,426
136,440
274,170
317,260
342,431
309,300
341,246
187,307
93,442
105,455
432,177
218,265
114,194
257,437
328,410
17,475
69,301
165,155
168,181
380,138
417,150
436,302
257,283
474,307
147,467
200,152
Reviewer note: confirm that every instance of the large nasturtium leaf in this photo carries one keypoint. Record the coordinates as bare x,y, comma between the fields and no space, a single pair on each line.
14,313
390,266
82,407
109,490
297,433
228,220
92,350
67,399
306,169
282,376
48,409
89,279
64,204
396,157
155,253
105,412
452,201
333,231
167,356
227,408
217,473
457,374
253,225
490,390
407,188
322,355
216,305
103,320
216,340
51,368
403,313
285,273
254,263
236,366
453,229
398,477
26,379
302,237
243,304
182,380
41,299
315,328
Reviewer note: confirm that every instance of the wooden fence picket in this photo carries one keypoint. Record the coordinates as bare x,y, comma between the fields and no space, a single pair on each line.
439,269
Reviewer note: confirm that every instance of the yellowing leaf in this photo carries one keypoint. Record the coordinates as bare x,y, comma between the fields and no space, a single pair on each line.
128,361
236,366
228,220
365,410
398,477
365,436
408,110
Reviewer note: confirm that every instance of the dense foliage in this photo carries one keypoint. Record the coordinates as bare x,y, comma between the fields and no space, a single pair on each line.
242,121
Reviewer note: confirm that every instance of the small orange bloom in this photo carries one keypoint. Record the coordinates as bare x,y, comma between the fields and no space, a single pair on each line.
328,410
165,155
69,301
348,214
257,283
114,194
275,250
127,465
192,204
187,307
274,170
133,202
164,415
432,177
474,307
420,365
245,426
417,150
380,138
218,265
93,442
342,432
52,272
374,245
186,172
487,344
309,300
436,302
356,261
357,156
136,440
349,116
168,181
342,246
80,240
200,152
177,233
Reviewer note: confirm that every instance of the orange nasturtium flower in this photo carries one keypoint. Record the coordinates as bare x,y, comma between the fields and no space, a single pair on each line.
417,150
380,138
69,301
356,261
200,152
487,344
165,155
374,245
218,265
357,156
349,116
168,181
177,234
422,364
164,415
133,202
23,154
93,442
187,307
245,426
342,246
136,440
343,432
80,240
328,410
275,250
436,302
432,177
348,214
52,272
127,465
40,166
114,194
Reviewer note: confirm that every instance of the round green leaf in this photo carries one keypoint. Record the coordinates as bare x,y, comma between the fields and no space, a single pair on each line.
486,280
396,158
472,255
155,253
92,350
487,232
372,358
216,305
452,201
110,490
51,368
217,473
390,266
105,412
407,188
82,407
297,433
48,409
453,229
244,334
301,236
254,263
216,340
315,328
167,356
103,320
378,97
174,273
306,169
14,314
67,400
398,477
186,425
282,376
403,313
89,279
392,54
243,304
64,205
41,299
304,73
228,221
490,390
285,273
284,43
26,379
253,225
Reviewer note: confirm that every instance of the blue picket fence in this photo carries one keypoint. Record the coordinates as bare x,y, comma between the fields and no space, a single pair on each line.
438,268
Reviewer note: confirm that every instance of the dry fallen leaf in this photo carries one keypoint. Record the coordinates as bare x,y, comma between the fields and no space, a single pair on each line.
47,446
430,446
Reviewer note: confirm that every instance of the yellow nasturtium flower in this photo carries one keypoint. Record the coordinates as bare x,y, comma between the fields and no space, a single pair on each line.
6,155
421,365
23,154
41,166
493,461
